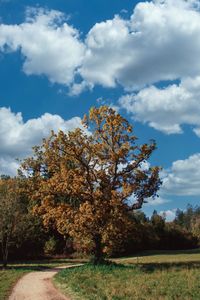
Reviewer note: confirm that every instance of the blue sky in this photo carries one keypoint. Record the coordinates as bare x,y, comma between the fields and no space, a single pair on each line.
59,58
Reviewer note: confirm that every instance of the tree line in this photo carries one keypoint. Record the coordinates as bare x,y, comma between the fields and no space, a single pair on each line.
23,235
75,191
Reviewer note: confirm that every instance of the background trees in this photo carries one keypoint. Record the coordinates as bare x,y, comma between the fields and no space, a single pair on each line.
189,220
10,214
21,233
81,183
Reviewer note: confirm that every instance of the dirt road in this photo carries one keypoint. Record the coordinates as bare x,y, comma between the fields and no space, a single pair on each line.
38,286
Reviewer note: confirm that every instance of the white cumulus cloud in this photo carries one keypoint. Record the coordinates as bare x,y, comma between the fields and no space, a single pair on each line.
183,178
49,46
169,214
161,41
157,201
18,137
168,108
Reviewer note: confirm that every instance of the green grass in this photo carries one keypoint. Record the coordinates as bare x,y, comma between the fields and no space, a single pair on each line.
7,280
171,275
14,271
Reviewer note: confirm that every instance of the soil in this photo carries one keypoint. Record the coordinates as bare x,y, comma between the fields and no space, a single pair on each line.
38,286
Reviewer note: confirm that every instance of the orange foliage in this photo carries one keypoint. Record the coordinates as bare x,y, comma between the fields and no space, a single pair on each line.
81,181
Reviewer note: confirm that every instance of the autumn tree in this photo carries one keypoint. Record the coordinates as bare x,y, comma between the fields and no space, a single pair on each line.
81,182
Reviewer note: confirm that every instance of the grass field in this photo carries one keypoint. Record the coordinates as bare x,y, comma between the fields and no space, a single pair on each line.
165,275
14,271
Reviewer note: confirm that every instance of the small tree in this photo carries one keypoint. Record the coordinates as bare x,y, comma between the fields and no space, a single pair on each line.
10,213
81,182
195,227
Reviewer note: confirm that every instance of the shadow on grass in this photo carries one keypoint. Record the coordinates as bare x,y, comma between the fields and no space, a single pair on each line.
147,267
25,268
46,261
40,265
152,267
168,252
37,265
143,267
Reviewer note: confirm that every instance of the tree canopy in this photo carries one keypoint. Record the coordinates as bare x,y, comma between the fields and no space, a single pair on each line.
82,182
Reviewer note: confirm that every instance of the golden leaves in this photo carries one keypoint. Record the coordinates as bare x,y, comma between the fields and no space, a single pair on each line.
85,121
81,183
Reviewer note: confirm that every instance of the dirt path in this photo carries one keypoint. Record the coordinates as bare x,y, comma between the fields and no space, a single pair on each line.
38,286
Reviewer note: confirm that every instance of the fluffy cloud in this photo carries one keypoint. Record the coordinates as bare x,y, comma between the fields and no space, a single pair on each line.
182,178
160,41
17,137
8,165
50,47
106,52
157,201
169,215
167,109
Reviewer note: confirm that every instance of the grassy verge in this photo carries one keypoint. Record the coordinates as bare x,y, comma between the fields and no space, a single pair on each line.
173,275
9,277
7,280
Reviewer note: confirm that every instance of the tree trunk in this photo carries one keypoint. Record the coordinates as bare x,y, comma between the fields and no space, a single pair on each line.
5,260
98,251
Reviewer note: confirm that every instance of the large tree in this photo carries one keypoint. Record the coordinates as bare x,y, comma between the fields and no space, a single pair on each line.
82,181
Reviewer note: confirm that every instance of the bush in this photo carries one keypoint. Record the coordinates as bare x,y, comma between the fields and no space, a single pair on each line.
50,246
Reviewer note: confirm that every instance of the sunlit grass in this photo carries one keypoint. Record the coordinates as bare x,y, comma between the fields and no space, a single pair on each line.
175,275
